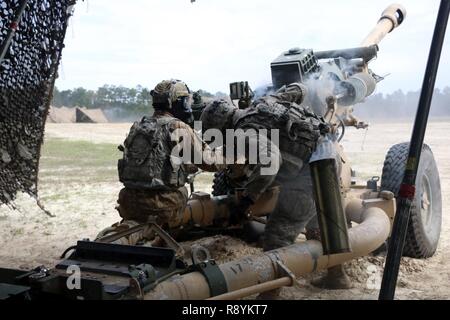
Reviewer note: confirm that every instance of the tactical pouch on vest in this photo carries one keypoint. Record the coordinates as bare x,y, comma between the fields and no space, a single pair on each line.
299,128
146,163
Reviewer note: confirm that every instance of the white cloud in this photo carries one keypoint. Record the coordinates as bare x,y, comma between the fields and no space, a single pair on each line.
213,42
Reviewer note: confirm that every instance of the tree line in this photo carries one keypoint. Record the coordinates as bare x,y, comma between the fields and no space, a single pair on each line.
128,104
118,102
401,106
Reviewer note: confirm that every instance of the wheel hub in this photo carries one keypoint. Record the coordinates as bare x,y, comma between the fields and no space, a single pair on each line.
426,201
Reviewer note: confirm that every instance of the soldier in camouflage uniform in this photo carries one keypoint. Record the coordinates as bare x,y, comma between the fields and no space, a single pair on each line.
299,130
154,177
295,209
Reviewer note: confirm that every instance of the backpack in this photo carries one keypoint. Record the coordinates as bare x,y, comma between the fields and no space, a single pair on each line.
146,162
299,127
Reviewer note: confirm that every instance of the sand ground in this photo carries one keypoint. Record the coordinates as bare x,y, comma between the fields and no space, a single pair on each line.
78,184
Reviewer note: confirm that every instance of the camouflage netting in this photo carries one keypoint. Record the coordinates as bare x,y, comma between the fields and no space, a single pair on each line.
27,76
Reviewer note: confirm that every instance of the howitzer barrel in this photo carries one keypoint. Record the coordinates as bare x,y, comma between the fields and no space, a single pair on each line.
391,18
365,53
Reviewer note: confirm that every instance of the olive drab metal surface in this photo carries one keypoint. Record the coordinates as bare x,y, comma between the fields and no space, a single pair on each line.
31,38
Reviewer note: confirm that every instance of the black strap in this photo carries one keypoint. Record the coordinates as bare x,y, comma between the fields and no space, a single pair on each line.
214,276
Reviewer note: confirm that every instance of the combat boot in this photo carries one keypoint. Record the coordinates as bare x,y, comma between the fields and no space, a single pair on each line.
335,279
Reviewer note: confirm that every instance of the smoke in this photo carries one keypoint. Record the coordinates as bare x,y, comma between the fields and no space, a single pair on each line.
263,90
116,114
319,88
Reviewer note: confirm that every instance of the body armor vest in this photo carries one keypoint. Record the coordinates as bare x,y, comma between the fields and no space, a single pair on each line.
299,128
147,161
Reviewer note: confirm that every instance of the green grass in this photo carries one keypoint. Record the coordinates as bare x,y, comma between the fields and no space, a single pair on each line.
66,161
78,153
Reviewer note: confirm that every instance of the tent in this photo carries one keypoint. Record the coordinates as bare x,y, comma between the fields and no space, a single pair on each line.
84,115
61,115
76,115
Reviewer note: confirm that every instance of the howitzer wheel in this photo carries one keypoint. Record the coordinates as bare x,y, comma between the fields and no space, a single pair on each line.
424,226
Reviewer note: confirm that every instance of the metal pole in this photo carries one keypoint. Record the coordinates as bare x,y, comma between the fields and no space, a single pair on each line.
408,189
259,288
4,46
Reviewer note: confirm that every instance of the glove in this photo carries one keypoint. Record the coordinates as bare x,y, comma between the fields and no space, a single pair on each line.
239,211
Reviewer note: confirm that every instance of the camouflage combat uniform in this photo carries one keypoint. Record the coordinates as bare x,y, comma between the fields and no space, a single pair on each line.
162,195
295,205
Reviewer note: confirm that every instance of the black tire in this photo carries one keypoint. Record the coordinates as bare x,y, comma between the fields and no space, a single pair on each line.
424,227
220,184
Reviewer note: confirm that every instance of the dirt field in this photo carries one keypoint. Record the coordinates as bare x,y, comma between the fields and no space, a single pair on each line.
78,184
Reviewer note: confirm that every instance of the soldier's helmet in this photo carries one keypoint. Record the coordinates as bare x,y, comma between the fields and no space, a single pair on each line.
294,92
167,92
217,114
174,96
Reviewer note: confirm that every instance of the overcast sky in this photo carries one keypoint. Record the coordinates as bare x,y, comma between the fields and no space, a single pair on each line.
210,43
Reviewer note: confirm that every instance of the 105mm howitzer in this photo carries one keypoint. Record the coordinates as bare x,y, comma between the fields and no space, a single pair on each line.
336,80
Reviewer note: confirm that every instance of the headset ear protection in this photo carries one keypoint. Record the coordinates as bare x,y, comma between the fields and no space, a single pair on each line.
160,98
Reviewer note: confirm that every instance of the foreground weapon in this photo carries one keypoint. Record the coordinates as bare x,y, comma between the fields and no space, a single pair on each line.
408,187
